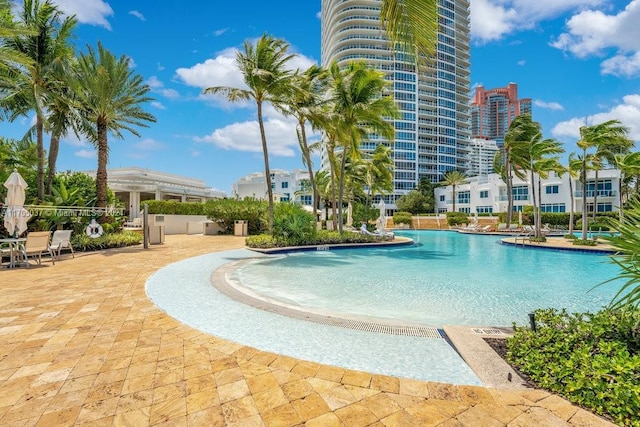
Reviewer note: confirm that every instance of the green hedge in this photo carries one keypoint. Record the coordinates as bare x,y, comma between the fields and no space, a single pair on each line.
322,237
174,207
402,218
83,243
457,218
592,360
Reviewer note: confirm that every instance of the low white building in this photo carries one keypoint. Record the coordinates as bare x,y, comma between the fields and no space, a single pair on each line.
134,185
488,194
286,186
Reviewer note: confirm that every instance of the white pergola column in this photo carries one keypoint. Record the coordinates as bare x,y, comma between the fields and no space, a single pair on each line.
134,204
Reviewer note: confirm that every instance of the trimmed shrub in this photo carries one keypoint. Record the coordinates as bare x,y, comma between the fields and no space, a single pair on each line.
584,242
226,211
293,225
592,360
457,218
402,218
261,241
83,243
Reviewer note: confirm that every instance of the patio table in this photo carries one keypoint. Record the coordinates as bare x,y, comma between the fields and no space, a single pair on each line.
14,244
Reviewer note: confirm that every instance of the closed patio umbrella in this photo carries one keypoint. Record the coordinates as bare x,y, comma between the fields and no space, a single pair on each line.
16,216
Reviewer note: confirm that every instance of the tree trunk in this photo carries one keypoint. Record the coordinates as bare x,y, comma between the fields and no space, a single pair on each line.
307,159
54,146
332,176
40,148
572,205
509,190
595,195
535,214
343,165
453,189
103,158
539,207
584,198
267,171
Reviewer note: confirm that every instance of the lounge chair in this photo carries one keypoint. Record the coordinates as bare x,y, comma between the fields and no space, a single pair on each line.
384,234
37,242
60,240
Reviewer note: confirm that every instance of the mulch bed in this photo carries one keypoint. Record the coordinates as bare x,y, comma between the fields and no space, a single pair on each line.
499,345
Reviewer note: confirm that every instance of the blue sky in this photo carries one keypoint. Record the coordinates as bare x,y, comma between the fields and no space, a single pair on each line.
579,60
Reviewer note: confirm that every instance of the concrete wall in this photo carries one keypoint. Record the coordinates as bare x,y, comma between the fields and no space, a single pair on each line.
181,224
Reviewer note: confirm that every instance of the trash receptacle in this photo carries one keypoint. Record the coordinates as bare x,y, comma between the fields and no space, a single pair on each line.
240,228
210,228
156,234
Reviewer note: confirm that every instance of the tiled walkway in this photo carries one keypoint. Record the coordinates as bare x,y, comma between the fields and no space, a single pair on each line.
81,344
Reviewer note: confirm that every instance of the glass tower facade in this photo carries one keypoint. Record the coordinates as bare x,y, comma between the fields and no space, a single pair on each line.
434,129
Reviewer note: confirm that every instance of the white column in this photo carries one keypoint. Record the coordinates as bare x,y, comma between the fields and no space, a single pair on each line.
134,204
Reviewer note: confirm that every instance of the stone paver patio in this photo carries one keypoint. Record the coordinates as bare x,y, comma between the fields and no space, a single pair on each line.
81,344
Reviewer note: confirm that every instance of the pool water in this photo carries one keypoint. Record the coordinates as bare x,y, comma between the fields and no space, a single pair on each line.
446,278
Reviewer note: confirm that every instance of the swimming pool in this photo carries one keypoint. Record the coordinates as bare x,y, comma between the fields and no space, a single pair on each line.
184,290
445,279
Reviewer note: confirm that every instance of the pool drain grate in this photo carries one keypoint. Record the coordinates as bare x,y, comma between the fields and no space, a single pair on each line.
410,331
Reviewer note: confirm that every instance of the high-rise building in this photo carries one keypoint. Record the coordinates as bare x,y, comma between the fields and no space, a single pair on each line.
433,131
493,110
483,151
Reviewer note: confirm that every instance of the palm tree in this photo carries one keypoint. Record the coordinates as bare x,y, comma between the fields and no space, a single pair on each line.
358,101
573,169
378,173
413,24
263,67
516,153
542,159
304,103
48,48
454,178
61,118
629,166
609,135
108,96
10,58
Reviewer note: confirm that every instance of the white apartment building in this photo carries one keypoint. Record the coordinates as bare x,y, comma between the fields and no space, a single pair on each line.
287,186
488,194
483,152
434,129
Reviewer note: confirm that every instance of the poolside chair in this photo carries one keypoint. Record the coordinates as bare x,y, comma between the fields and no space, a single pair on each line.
60,240
37,242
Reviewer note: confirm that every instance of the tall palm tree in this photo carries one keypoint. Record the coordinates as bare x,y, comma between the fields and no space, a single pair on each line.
543,158
48,48
378,173
357,98
454,178
304,103
264,69
573,169
516,153
412,24
10,58
610,135
109,97
62,117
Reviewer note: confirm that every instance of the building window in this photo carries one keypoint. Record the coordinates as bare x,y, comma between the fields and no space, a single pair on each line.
273,185
552,189
285,184
464,210
484,209
464,197
521,192
484,194
442,197
553,207
285,198
305,199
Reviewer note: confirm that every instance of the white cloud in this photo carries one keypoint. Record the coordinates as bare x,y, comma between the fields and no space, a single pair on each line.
628,112
220,32
93,12
86,154
548,105
522,62
222,71
137,14
492,19
593,32
157,86
158,105
245,136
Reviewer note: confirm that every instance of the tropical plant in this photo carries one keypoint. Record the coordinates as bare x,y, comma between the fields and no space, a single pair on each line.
264,68
414,202
356,96
629,167
378,171
516,154
626,243
304,103
47,45
109,97
411,24
454,178
608,136
573,169
293,224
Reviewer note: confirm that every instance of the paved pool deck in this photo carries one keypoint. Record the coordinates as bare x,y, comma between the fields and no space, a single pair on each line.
82,344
